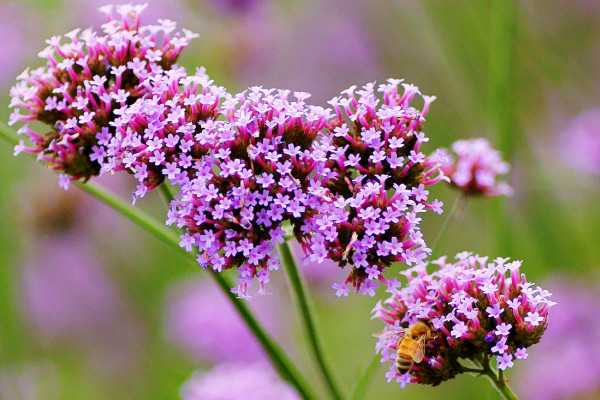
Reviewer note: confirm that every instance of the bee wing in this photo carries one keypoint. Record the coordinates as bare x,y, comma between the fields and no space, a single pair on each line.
390,333
416,349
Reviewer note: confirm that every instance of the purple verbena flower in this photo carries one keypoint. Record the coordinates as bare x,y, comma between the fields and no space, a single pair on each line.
453,298
86,80
162,134
476,167
265,170
374,184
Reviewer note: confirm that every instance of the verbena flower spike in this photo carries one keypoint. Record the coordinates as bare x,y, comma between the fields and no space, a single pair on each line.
477,311
84,84
253,169
376,185
476,168
163,134
257,177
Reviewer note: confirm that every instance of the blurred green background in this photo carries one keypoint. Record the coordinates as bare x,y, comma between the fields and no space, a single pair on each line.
516,73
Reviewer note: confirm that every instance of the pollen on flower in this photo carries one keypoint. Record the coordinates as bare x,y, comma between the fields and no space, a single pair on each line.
467,303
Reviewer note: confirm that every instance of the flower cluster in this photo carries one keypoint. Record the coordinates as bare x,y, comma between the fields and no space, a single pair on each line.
476,311
375,184
85,83
250,381
476,168
162,134
263,172
350,182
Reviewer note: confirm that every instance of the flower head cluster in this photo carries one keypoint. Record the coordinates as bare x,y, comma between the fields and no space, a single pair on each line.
162,134
476,167
261,173
249,381
477,312
86,81
351,183
376,180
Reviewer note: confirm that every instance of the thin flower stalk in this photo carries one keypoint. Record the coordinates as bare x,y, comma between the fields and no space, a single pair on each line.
450,222
497,380
503,28
362,383
306,316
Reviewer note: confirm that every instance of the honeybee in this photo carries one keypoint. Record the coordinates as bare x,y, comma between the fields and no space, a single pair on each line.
411,343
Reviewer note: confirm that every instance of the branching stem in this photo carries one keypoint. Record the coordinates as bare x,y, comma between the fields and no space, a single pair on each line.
497,380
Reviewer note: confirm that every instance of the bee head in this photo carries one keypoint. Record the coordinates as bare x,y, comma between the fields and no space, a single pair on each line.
427,322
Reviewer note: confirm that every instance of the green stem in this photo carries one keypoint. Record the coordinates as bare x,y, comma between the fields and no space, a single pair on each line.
497,381
167,195
446,224
473,370
501,84
139,217
306,314
363,382
8,134
452,221
280,361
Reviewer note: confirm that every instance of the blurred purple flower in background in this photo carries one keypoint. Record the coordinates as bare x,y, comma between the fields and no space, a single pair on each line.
65,290
566,364
329,49
14,26
476,167
255,381
236,7
579,143
201,321
67,297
